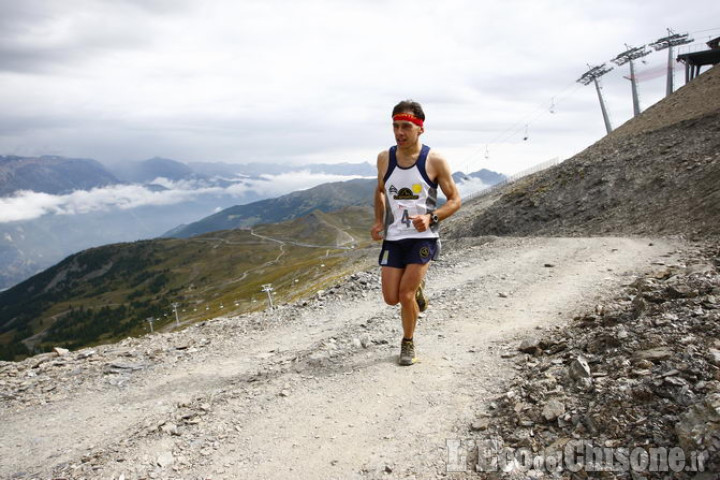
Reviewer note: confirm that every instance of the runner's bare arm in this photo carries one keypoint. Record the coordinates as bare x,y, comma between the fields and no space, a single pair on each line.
439,169
448,187
379,224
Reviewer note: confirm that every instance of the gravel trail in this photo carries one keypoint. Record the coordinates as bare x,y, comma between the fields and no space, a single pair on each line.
310,391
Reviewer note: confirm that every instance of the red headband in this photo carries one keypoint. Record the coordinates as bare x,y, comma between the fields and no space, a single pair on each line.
408,117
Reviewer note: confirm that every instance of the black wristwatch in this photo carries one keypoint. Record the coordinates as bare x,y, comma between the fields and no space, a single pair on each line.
434,220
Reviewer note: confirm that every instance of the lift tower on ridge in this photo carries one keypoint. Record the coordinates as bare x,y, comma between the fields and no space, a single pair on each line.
627,57
672,40
591,76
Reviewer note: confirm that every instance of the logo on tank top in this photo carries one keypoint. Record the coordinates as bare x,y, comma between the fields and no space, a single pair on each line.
405,194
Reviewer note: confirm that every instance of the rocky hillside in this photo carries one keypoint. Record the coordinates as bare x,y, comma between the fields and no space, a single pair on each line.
657,174
640,369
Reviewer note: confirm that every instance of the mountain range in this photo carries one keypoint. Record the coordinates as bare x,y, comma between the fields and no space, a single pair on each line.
51,174
77,204
60,175
326,198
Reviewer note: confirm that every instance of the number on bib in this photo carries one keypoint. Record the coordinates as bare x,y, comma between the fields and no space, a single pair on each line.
406,219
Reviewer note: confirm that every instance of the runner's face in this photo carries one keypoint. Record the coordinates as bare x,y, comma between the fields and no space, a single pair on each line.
406,133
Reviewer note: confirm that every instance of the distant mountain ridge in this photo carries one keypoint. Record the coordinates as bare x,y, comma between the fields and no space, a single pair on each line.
148,170
255,169
59,175
29,246
325,198
51,174
488,177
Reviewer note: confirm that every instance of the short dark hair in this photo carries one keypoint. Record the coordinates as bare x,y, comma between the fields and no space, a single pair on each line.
409,106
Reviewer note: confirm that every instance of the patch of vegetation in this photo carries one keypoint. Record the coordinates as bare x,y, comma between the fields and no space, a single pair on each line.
107,293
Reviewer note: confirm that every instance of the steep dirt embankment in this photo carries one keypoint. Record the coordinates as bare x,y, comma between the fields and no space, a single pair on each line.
309,391
657,174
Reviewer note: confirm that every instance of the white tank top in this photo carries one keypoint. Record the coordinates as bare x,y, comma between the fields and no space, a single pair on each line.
408,192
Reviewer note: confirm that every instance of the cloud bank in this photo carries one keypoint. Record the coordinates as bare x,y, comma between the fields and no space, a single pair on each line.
29,205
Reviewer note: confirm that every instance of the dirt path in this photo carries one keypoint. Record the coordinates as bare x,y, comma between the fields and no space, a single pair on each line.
315,392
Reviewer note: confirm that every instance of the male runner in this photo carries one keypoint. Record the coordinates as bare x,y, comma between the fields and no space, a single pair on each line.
407,217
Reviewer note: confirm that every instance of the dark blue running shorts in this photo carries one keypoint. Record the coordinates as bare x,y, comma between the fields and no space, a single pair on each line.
399,253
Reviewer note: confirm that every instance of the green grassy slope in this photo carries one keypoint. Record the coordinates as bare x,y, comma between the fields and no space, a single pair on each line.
107,293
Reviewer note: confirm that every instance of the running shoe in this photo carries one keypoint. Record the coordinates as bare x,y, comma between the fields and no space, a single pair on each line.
407,353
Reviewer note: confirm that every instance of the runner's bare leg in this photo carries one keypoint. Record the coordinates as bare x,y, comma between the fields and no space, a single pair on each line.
409,283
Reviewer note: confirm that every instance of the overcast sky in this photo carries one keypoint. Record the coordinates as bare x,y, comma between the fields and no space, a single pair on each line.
315,80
